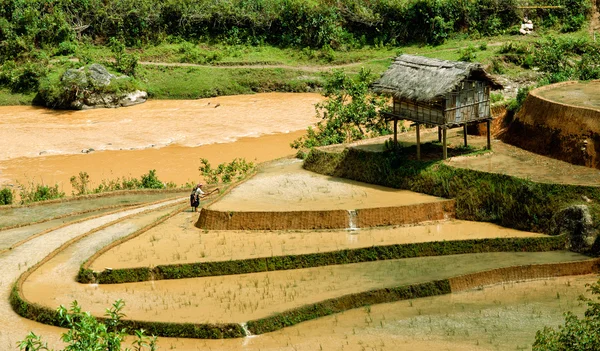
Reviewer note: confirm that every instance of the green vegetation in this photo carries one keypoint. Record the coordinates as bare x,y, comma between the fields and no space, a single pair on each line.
225,173
81,183
350,112
39,192
79,85
39,38
6,196
87,333
560,58
576,334
348,256
509,201
46,315
347,302
301,23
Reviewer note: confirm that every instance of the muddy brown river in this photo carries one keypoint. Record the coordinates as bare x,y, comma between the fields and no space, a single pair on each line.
171,136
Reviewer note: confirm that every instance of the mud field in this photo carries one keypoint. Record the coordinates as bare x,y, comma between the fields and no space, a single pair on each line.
239,298
285,186
177,241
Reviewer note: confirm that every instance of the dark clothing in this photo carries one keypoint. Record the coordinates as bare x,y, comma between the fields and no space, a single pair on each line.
194,200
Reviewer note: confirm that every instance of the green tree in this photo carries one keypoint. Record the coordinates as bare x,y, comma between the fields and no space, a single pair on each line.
577,334
350,112
86,333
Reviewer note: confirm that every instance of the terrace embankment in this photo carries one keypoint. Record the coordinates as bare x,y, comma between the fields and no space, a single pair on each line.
176,241
313,201
560,121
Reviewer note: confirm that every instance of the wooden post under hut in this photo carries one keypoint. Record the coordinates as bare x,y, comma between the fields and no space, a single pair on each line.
489,134
418,142
446,94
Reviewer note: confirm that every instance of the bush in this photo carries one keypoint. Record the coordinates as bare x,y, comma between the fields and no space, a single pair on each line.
515,105
23,77
225,172
577,333
39,192
6,196
124,62
467,54
87,333
151,181
80,183
66,48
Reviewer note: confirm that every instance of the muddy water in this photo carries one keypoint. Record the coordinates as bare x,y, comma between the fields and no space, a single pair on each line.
286,186
178,241
250,296
29,131
170,136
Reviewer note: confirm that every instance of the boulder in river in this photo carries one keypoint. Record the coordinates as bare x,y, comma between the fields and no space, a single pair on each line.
89,87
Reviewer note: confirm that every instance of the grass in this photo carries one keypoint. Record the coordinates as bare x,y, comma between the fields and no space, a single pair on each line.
302,69
199,82
488,197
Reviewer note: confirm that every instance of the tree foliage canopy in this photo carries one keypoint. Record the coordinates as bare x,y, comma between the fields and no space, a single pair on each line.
351,112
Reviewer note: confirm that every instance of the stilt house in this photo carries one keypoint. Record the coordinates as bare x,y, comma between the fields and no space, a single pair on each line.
446,94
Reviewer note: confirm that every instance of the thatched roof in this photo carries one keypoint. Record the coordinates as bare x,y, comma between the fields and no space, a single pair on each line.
425,79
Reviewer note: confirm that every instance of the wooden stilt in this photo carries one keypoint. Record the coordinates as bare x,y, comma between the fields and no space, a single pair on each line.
489,135
465,133
440,134
418,141
395,133
444,144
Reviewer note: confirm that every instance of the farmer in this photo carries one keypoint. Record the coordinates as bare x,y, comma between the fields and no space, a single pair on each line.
195,197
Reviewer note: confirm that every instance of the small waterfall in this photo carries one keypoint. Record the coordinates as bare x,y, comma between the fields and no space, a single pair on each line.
246,330
352,220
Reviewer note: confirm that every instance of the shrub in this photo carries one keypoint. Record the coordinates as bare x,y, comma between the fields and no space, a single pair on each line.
87,333
80,183
467,54
151,181
39,192
6,196
66,48
124,62
225,172
515,105
577,333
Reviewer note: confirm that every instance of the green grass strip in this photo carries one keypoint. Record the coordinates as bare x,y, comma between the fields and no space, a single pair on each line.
367,254
347,302
48,316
